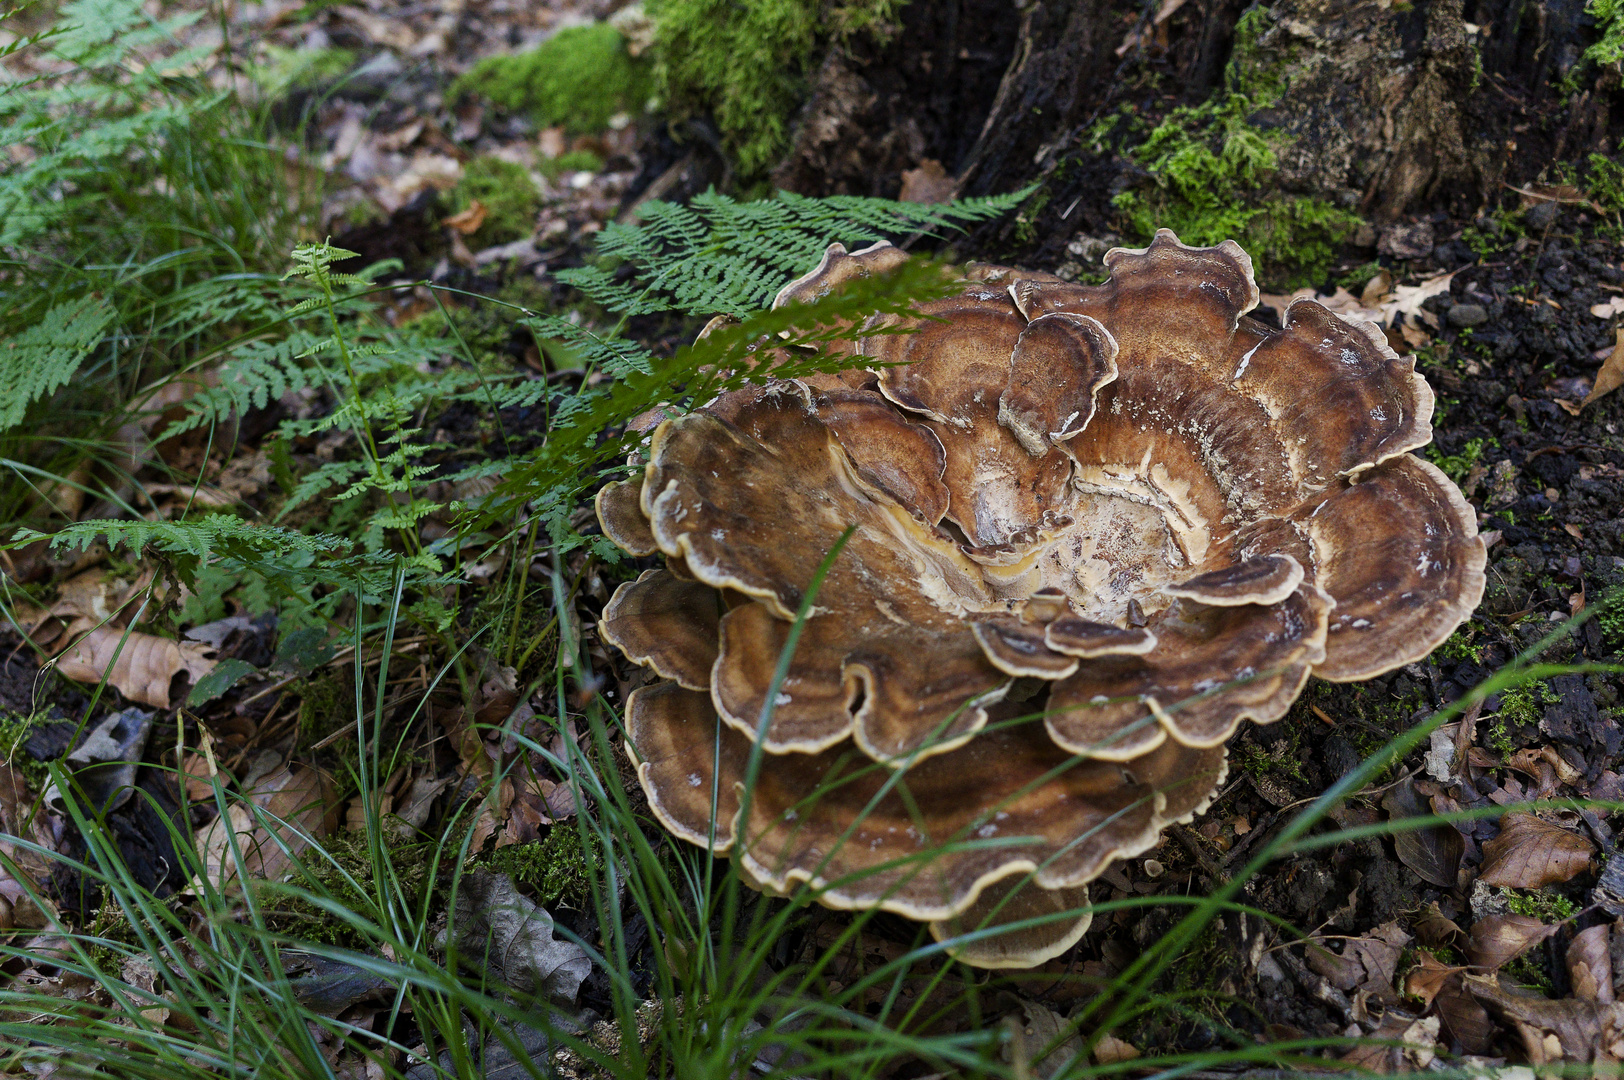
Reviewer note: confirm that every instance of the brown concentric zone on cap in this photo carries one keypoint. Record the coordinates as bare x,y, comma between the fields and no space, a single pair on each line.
824,820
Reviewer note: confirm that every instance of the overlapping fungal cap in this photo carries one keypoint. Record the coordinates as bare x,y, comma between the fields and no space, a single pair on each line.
1094,528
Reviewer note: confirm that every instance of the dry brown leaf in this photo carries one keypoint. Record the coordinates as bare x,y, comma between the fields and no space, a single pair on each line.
1611,375
1407,299
1033,1029
470,220
180,496
139,665
1377,290
1110,1050
1552,1031
1590,964
1414,336
1432,851
1500,939
1436,929
928,183
1462,1016
19,819
1366,963
298,796
1426,979
1531,853
1420,1039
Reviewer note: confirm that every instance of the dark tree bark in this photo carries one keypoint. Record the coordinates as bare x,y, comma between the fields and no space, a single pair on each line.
1392,109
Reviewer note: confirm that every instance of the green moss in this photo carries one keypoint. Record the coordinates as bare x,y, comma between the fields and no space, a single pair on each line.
1211,172
1456,466
326,703
1459,646
572,162
1541,904
1356,279
1524,705
745,63
1609,47
1494,232
288,914
1255,71
1611,618
1527,970
14,730
509,196
579,77
555,867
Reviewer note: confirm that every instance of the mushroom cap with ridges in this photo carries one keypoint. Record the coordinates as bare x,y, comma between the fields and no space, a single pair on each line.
1127,510
667,623
823,819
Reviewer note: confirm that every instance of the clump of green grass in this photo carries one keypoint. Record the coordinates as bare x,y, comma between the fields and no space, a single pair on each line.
303,69
745,64
580,78
506,191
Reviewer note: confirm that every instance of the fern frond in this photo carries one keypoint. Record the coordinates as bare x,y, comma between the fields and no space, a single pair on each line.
37,361
291,558
720,256
260,373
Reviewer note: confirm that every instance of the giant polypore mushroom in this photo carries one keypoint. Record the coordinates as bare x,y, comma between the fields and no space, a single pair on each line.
1093,529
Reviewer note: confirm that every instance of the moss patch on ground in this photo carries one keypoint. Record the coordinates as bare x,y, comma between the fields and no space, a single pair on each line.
579,77
508,194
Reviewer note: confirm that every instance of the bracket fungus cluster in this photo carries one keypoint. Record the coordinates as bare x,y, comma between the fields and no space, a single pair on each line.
1092,529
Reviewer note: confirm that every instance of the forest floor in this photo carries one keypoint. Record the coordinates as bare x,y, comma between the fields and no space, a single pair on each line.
1513,315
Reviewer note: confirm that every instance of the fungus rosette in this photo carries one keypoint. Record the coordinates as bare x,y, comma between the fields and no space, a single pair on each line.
1095,528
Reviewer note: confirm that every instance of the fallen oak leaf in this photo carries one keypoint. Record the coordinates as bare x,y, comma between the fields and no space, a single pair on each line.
1460,1015
1611,375
1499,939
1531,853
1034,1029
139,665
1419,1039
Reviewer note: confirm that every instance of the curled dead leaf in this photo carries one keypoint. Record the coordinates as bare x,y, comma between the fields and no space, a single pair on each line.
1419,1039
1531,852
1035,1047
141,666
1499,939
